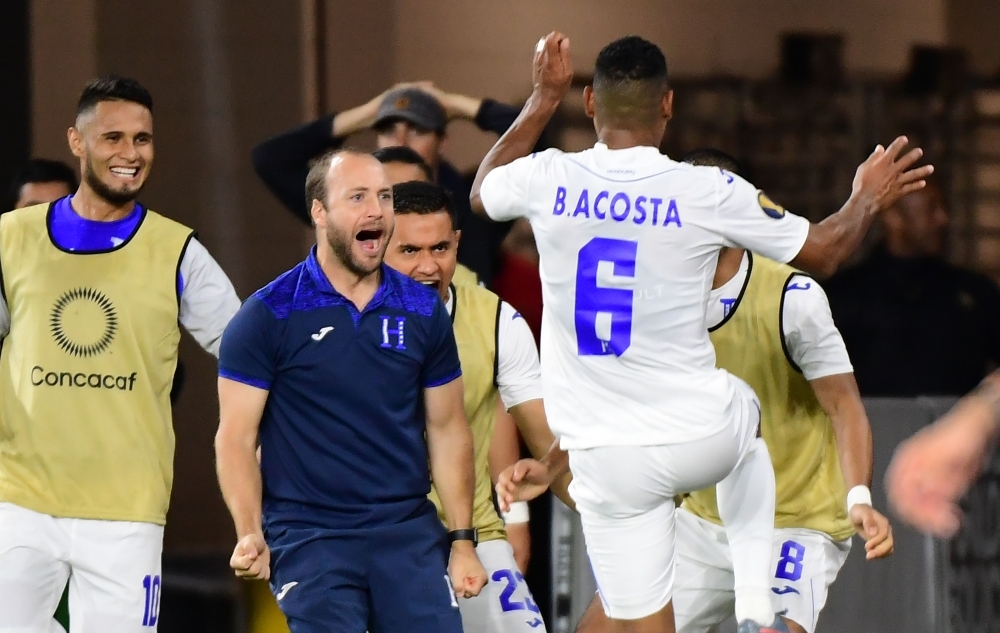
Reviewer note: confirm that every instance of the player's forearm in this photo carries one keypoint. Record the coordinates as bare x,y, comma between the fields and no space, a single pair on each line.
854,446
979,412
355,120
834,239
505,449
452,469
841,401
517,141
534,427
239,479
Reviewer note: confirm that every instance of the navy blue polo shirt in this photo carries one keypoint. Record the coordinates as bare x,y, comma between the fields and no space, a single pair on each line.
342,435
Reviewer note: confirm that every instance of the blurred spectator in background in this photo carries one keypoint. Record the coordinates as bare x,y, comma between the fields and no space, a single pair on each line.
413,115
913,323
40,180
517,281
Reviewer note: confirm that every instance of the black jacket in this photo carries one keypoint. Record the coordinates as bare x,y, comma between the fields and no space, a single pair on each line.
916,326
282,163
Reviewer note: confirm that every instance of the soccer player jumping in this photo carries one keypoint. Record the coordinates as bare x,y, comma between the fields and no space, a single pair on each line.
628,241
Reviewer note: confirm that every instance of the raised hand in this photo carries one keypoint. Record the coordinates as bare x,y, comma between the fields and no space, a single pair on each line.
552,68
885,177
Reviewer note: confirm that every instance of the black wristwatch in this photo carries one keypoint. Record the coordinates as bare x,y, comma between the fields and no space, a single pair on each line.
469,534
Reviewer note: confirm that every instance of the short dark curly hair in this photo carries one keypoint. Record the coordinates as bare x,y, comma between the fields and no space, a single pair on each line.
630,58
113,88
423,198
630,79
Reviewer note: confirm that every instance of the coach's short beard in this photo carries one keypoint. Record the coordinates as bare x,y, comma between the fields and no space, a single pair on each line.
106,193
340,243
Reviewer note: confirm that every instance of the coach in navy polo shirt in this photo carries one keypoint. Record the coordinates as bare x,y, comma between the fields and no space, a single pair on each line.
349,372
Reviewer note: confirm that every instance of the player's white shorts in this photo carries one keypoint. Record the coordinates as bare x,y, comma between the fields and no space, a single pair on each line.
805,564
115,579
505,605
625,497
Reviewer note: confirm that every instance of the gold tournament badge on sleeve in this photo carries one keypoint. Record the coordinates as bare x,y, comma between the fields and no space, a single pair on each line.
769,207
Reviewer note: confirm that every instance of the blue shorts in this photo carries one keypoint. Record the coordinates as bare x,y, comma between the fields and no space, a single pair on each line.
385,579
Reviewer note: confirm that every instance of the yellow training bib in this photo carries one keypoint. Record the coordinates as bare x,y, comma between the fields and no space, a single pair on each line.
86,370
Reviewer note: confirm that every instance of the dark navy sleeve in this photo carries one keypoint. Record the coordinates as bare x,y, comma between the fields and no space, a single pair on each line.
282,162
248,352
441,364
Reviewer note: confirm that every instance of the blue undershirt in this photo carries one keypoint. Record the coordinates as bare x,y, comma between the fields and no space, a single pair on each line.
76,234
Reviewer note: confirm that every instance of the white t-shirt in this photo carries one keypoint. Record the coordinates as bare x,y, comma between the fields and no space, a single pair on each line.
519,375
812,340
208,299
628,241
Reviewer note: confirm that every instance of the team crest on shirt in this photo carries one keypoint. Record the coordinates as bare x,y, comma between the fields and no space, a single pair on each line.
768,206
83,322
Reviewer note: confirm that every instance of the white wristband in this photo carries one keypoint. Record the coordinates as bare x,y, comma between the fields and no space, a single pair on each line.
859,494
518,513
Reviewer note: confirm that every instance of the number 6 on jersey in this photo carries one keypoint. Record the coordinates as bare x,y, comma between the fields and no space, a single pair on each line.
604,315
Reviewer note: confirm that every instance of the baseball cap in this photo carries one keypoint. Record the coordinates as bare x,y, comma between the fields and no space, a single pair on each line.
412,105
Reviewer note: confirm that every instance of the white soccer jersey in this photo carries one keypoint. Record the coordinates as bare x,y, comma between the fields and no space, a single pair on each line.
628,241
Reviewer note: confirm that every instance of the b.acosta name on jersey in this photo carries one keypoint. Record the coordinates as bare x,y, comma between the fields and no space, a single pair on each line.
616,206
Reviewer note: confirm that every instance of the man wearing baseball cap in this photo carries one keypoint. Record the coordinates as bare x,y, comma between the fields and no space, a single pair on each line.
414,115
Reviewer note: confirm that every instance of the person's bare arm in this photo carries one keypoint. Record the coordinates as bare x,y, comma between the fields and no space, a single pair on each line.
240,410
534,427
552,74
505,450
931,471
879,182
449,442
840,399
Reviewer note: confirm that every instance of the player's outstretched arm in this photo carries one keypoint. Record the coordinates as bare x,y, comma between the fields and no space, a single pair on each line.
840,399
240,410
931,471
449,442
879,182
551,76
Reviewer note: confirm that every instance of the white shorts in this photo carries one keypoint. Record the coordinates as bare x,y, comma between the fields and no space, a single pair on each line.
625,497
113,569
806,563
505,605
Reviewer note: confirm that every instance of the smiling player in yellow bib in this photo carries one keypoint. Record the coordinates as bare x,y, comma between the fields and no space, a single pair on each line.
95,287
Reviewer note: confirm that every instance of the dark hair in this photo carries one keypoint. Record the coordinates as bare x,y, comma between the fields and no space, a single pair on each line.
40,170
113,88
316,178
423,198
711,157
403,154
630,58
630,79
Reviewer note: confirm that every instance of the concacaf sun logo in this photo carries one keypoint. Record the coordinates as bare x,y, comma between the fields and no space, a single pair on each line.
768,206
83,322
